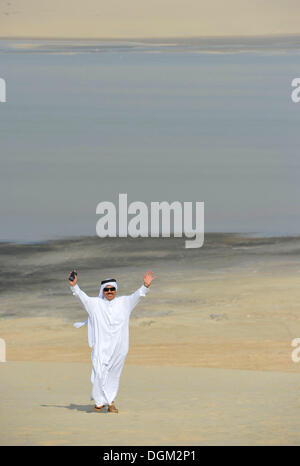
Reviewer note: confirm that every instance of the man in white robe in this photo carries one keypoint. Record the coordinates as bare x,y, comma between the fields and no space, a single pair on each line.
108,335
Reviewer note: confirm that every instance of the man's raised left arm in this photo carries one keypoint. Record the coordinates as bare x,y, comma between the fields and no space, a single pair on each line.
134,298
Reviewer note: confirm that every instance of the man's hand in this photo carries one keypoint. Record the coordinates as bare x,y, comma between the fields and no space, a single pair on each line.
72,283
148,278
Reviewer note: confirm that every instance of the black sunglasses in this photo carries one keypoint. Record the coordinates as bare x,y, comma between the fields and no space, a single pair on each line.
109,289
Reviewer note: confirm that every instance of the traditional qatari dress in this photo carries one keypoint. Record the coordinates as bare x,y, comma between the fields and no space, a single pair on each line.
108,336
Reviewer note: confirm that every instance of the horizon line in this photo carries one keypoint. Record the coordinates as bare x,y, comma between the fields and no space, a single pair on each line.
171,37
249,234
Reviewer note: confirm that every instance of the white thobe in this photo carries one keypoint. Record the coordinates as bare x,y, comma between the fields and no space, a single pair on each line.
108,336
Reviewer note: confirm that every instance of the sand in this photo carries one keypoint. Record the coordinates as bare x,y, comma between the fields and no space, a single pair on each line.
47,404
210,348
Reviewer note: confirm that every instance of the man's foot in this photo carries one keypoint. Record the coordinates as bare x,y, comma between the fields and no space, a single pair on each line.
112,408
98,408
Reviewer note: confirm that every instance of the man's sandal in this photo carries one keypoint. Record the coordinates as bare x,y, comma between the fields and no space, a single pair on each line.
112,408
99,408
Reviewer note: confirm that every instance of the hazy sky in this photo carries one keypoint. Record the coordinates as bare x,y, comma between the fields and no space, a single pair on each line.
145,18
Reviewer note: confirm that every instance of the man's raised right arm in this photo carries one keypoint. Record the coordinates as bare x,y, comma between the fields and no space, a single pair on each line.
76,291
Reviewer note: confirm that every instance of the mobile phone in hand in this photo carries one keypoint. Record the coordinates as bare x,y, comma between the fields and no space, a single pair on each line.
72,276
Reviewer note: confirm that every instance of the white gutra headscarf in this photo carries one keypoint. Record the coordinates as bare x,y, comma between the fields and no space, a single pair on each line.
104,283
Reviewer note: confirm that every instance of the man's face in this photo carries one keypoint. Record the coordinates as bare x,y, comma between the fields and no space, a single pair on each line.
109,292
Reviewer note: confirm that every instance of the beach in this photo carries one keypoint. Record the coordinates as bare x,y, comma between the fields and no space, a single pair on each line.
210,359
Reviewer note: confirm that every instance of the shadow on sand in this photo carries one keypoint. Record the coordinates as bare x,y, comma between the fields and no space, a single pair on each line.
72,406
